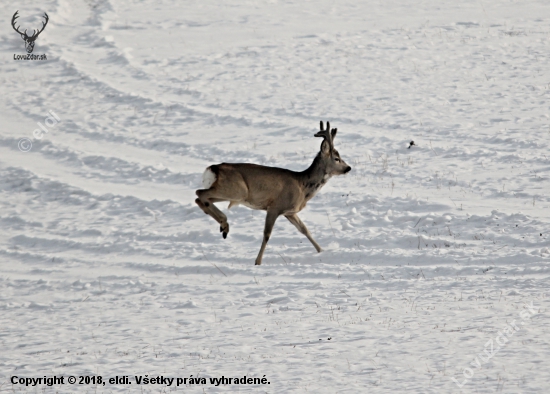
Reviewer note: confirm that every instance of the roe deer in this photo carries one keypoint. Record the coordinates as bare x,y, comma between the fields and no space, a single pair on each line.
276,190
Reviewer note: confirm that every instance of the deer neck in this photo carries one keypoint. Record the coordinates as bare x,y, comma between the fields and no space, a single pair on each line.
315,177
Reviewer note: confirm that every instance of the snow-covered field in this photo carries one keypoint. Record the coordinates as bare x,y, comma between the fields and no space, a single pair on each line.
432,255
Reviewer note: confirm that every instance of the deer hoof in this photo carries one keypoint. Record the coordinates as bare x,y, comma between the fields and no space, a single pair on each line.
224,229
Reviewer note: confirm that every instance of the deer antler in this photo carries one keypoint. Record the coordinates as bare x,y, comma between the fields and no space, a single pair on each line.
13,19
327,135
24,34
35,34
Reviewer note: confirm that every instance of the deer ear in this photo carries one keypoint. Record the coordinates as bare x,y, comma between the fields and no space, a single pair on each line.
322,129
333,134
325,147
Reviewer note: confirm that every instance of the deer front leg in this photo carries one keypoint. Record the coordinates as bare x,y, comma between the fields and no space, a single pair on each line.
295,220
269,223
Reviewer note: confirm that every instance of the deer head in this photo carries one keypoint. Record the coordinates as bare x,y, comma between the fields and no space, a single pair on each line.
333,163
29,40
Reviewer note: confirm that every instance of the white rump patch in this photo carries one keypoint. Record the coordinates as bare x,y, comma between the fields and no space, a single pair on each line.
208,178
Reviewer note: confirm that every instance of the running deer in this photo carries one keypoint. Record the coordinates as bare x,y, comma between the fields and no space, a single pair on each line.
276,190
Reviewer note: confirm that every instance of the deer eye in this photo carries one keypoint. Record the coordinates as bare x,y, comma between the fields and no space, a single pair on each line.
336,159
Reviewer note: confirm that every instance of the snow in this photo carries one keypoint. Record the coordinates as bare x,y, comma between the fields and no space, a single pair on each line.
430,254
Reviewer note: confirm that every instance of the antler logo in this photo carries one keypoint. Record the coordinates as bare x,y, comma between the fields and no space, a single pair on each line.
29,40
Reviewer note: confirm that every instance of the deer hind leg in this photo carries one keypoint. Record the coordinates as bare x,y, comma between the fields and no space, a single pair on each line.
206,203
295,220
269,223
